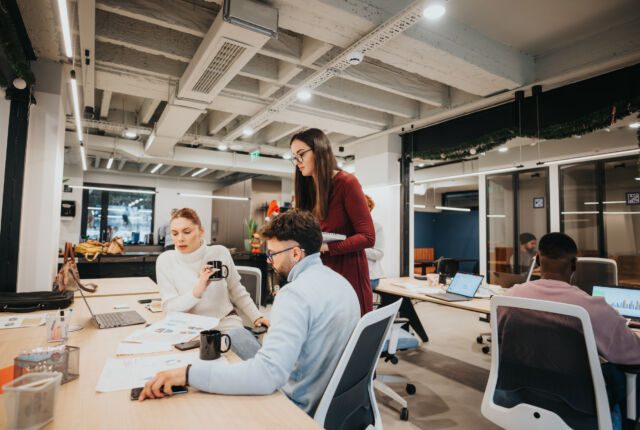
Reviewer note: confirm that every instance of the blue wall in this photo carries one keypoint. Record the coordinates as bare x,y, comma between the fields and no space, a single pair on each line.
451,234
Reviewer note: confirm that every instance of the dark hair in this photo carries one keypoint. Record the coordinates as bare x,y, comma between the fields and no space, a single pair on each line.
298,225
526,238
557,245
312,192
186,213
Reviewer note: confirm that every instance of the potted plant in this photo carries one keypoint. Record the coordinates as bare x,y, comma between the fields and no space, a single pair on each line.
251,226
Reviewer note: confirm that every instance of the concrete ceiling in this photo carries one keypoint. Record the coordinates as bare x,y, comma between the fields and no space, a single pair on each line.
140,49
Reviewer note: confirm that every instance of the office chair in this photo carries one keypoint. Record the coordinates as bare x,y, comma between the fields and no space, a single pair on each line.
448,267
545,372
251,278
398,339
592,271
348,401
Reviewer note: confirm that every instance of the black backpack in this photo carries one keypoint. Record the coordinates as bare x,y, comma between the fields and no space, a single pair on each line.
35,301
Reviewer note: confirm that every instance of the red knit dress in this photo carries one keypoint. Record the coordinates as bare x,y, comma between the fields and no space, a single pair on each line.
349,215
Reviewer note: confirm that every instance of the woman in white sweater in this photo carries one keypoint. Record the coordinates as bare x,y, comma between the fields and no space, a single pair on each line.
183,277
375,254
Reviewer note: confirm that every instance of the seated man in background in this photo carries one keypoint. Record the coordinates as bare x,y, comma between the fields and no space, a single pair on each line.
526,253
312,319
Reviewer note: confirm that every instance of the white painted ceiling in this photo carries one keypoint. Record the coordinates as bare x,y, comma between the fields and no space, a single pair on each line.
433,69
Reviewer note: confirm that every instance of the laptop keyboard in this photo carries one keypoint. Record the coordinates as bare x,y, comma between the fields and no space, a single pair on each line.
118,319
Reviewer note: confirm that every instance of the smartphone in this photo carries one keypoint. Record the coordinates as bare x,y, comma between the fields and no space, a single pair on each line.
177,389
185,346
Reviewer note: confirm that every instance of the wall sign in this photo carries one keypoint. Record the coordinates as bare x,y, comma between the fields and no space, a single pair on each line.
538,202
633,198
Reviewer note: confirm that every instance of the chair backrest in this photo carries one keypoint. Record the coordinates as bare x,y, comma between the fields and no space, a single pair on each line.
252,281
423,254
545,371
448,266
349,401
592,271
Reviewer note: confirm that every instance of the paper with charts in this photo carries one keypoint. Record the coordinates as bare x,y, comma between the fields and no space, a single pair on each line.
19,321
177,327
126,373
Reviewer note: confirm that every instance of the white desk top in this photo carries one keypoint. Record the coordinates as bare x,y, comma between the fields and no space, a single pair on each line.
108,287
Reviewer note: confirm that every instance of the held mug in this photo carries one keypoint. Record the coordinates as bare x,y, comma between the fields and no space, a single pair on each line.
211,344
222,270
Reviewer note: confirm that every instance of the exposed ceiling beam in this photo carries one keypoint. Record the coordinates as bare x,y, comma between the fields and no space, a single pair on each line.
186,170
87,26
142,167
106,102
222,174
217,120
148,109
276,131
164,170
135,61
121,164
96,162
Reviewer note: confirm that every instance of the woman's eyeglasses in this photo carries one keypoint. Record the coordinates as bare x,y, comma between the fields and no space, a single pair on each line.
299,157
270,254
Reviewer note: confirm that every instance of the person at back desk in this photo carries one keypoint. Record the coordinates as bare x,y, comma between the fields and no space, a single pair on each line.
312,319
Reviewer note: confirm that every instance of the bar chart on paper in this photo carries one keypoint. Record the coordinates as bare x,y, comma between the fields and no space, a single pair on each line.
625,301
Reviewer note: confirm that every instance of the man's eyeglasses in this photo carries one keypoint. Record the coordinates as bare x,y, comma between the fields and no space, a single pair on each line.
270,254
299,157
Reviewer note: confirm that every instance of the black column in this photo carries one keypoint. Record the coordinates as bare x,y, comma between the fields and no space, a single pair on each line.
406,211
13,187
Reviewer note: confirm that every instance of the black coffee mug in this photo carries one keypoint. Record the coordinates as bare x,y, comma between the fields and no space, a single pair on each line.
221,271
211,344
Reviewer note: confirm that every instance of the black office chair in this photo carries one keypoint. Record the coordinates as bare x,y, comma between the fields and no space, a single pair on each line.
447,267
349,401
592,271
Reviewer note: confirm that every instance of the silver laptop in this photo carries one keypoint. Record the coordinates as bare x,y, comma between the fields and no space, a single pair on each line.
463,287
625,300
114,319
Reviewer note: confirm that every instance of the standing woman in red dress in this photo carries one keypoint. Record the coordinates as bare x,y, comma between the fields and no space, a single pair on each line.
336,198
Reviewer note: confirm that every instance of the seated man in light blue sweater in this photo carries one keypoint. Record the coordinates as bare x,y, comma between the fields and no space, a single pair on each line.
312,319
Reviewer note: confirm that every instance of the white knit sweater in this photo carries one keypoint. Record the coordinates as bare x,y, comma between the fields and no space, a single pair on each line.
178,273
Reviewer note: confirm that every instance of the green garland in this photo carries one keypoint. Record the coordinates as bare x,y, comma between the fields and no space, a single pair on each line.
10,43
597,120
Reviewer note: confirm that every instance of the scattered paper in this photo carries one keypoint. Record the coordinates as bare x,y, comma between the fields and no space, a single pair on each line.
126,348
177,327
20,321
126,373
418,289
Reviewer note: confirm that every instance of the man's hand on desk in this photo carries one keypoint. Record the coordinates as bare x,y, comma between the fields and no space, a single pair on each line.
167,379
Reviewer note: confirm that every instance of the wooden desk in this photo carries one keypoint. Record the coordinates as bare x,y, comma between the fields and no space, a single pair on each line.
81,407
390,293
108,287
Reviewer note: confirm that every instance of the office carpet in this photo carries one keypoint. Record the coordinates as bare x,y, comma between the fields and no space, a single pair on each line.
450,373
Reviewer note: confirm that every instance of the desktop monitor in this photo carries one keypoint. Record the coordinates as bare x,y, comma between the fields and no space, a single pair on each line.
625,300
465,284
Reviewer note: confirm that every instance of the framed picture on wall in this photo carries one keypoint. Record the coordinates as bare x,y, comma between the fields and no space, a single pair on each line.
633,198
538,202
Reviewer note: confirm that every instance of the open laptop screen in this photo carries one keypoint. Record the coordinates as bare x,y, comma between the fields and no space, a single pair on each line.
625,300
465,284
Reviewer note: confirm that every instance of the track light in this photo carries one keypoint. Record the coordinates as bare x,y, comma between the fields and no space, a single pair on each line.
66,29
76,105
83,155
155,169
204,169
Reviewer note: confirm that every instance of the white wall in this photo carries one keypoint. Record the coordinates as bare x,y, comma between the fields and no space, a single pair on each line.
166,198
5,106
378,170
40,219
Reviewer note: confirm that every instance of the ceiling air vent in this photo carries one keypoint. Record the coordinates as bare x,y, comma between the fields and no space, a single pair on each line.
221,63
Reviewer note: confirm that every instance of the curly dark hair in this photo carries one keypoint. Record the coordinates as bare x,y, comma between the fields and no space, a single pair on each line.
298,225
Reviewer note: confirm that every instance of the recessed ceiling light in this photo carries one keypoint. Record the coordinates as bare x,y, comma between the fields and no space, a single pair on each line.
503,149
247,132
286,156
223,147
130,134
635,124
304,94
434,11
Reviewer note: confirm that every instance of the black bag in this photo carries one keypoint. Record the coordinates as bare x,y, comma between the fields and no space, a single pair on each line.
35,301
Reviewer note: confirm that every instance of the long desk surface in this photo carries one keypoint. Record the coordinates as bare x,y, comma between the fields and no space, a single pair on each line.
80,406
108,287
388,286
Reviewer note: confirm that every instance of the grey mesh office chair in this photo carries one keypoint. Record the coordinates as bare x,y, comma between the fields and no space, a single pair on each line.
349,401
252,281
592,271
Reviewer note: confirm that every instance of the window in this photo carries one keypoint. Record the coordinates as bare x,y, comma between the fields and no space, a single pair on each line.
114,211
600,212
517,210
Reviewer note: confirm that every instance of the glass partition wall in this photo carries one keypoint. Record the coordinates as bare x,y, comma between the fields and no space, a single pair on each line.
517,216
600,210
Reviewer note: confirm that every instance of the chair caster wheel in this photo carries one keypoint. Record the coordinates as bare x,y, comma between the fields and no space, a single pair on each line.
486,349
404,414
394,360
479,339
411,389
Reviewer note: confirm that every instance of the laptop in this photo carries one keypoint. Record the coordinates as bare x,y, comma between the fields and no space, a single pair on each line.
463,287
625,300
114,319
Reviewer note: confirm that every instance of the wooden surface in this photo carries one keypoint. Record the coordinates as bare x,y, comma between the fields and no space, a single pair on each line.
108,287
81,407
482,306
